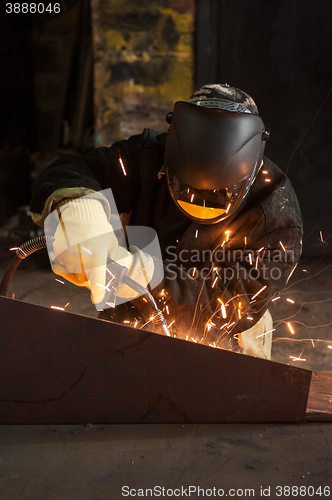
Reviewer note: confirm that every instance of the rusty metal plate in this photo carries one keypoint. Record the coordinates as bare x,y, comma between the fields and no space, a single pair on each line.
58,367
319,405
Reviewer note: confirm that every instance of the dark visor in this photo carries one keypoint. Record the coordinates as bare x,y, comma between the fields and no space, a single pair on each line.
204,204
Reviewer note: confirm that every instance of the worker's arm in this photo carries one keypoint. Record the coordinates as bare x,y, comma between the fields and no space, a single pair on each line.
71,187
75,175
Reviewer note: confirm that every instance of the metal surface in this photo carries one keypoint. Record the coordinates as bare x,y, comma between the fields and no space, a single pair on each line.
59,367
319,406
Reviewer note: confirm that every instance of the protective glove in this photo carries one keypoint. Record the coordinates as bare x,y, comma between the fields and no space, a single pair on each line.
84,240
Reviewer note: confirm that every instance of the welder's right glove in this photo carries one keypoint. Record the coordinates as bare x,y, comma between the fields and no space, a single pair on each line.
84,240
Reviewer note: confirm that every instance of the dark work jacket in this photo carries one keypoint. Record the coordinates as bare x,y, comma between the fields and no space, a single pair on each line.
206,267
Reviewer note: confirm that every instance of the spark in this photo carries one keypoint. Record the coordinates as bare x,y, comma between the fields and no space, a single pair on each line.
313,345
282,246
193,340
267,180
103,286
162,293
67,304
215,281
259,291
291,301
294,358
329,346
321,235
228,207
110,272
262,248
126,321
111,304
275,298
194,272
250,318
192,197
231,324
171,324
265,172
227,235
213,345
245,240
167,309
144,299
223,326
262,334
196,234
13,295
223,309
109,283
257,260
59,281
122,166
250,259
13,248
58,308
239,313
290,328
87,250
136,323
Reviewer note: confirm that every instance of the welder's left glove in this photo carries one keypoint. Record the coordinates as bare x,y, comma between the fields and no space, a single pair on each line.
84,240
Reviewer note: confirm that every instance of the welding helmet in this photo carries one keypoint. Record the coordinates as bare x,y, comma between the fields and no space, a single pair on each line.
213,152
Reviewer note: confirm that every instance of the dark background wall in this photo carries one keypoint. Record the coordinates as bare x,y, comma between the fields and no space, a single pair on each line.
280,52
46,95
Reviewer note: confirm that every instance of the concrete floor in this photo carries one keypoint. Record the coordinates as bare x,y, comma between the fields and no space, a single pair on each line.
93,462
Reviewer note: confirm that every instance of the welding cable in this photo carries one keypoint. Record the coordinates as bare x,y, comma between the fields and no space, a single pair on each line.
22,253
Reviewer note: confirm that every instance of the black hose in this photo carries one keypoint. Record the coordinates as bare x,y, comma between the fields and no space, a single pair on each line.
8,275
22,253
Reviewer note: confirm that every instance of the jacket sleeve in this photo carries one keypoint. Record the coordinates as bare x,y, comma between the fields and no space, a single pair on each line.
214,297
76,175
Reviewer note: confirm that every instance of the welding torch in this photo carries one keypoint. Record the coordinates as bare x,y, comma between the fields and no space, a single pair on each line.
120,274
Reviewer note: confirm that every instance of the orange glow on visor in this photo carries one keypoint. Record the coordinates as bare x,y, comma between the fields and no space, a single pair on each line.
199,212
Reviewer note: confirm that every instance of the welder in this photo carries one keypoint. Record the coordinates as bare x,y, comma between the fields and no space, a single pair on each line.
227,219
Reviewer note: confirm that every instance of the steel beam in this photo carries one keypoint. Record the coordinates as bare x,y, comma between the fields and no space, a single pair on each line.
58,367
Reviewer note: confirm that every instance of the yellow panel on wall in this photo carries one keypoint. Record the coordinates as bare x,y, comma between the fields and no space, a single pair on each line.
144,62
